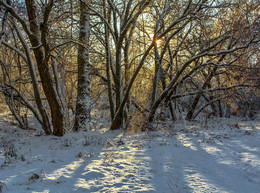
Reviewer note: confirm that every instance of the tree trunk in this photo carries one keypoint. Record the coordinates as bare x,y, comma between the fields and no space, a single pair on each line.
156,75
45,119
38,39
108,62
82,119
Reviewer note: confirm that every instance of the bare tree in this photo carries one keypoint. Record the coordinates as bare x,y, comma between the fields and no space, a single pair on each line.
82,118
38,33
146,55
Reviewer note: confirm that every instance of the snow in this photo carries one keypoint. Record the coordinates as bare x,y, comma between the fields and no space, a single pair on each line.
224,156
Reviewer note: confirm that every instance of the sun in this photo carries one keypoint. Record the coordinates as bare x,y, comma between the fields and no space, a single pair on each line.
158,41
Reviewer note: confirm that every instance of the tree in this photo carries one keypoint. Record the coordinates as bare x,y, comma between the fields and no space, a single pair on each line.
145,55
38,33
82,117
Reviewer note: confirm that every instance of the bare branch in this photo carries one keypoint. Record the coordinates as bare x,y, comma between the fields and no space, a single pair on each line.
16,16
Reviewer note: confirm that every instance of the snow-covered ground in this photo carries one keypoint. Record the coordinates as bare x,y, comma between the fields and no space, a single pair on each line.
222,157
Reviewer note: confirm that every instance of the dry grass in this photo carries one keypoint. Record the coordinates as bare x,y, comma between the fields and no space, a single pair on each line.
137,122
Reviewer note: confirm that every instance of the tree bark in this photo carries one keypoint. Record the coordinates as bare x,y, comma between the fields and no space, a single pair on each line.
38,39
156,75
45,119
82,119
108,62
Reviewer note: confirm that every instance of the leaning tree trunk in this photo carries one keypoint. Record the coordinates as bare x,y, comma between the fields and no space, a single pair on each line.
195,102
38,39
82,118
45,119
198,96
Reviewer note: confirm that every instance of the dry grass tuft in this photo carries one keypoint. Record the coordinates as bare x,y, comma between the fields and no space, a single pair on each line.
137,122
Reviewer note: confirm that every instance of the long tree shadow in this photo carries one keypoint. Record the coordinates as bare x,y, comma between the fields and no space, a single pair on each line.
54,163
216,165
150,163
120,166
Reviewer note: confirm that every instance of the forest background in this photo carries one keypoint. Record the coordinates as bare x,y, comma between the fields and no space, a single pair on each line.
136,60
